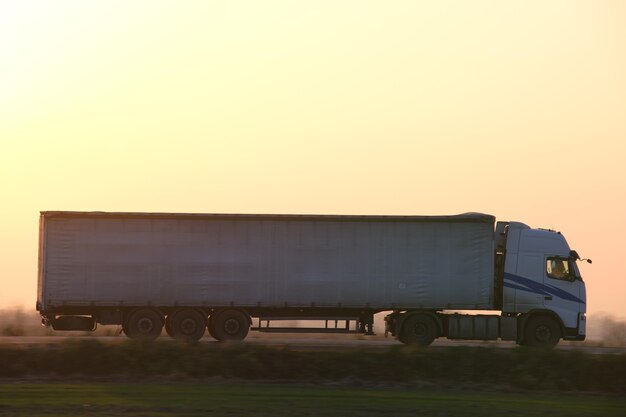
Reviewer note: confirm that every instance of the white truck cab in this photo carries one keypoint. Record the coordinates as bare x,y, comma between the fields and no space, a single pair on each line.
542,283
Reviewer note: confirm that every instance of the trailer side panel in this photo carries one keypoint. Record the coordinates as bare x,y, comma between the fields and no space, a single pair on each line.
267,261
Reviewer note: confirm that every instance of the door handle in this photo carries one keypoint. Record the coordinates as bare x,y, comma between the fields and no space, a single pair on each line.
548,297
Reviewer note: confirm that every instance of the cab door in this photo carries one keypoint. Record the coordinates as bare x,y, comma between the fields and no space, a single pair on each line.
562,289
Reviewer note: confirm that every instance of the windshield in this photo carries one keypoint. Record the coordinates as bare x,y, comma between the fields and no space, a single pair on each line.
564,269
559,268
574,268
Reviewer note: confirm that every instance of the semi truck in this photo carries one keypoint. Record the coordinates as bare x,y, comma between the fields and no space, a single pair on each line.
460,276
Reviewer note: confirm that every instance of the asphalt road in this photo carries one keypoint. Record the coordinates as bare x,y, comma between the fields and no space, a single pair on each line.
308,342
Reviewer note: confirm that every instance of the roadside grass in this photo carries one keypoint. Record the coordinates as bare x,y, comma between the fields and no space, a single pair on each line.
518,369
276,400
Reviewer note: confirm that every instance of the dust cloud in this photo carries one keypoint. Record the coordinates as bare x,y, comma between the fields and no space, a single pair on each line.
606,330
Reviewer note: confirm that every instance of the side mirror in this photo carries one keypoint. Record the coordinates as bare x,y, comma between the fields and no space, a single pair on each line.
576,257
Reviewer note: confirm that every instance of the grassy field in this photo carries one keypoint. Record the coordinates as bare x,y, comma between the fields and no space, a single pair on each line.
256,400
519,368
89,378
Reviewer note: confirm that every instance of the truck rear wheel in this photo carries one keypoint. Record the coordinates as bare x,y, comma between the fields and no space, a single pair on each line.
418,329
188,325
230,325
542,331
144,324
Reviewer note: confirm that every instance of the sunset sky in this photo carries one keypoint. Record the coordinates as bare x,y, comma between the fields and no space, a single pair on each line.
516,109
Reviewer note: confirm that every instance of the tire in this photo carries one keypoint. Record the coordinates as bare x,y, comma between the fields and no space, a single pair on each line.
168,324
188,325
210,325
231,325
418,329
542,332
125,327
144,324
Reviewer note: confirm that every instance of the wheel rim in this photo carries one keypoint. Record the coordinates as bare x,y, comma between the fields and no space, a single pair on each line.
145,325
543,334
231,326
420,330
188,326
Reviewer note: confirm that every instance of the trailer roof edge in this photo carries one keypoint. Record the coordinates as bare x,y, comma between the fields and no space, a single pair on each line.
471,217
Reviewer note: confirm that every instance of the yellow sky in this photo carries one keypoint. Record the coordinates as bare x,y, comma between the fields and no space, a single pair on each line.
517,109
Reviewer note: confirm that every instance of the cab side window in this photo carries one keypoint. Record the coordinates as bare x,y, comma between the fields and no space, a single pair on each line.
558,268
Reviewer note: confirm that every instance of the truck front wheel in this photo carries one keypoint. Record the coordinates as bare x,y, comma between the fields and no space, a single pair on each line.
144,324
542,331
229,325
418,329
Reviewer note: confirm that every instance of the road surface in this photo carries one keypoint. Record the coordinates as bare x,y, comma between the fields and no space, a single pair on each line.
308,342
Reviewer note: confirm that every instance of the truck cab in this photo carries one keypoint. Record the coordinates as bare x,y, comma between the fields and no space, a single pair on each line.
543,286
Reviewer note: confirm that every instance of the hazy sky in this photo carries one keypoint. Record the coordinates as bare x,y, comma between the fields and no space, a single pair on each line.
516,109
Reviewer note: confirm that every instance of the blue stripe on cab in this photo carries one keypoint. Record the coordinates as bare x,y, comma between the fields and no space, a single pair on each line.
525,284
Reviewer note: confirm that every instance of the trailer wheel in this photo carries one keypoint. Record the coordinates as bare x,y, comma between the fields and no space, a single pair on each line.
210,325
168,324
188,325
231,325
542,331
418,329
144,324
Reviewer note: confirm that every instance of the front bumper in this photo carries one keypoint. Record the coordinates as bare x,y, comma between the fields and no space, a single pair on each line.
576,337
578,333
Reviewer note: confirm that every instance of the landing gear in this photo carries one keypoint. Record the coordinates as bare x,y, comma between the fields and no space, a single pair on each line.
366,324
